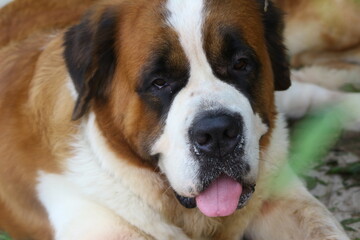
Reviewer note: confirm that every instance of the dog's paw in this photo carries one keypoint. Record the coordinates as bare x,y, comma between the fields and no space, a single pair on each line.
100,232
90,235
95,225
174,234
115,232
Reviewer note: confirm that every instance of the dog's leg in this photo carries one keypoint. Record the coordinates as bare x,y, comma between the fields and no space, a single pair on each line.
74,216
295,215
78,216
332,76
302,98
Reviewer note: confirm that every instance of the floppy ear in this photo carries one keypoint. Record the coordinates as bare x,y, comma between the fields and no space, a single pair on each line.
91,58
274,25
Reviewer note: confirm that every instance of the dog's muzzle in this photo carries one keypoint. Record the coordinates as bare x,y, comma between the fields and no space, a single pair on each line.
217,141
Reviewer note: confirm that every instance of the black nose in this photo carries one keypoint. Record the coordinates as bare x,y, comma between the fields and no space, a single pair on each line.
216,135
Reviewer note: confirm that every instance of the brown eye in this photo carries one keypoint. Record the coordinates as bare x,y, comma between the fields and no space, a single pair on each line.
159,83
240,64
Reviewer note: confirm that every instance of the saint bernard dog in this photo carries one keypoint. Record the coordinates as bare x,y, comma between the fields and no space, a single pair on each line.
149,120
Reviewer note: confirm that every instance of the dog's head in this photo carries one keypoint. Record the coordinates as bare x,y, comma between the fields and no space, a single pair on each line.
186,85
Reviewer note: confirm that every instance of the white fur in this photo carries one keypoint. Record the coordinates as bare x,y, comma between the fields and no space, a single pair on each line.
203,92
72,215
5,2
70,85
300,215
350,106
302,98
327,77
95,179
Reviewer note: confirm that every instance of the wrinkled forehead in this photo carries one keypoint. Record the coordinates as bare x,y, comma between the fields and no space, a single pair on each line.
188,40
178,31
207,29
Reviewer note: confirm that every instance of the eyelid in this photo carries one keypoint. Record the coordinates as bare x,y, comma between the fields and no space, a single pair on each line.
242,54
161,84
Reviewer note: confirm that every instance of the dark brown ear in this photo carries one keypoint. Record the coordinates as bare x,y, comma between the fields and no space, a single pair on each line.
90,57
274,25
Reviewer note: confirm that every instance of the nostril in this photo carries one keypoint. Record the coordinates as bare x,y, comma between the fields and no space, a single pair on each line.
203,139
231,133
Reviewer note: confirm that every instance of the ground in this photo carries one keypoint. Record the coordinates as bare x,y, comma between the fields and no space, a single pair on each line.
336,182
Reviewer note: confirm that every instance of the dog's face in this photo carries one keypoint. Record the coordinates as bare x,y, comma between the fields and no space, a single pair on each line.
187,86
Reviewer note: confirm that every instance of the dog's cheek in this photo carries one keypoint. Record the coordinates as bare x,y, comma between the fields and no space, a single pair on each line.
150,131
142,126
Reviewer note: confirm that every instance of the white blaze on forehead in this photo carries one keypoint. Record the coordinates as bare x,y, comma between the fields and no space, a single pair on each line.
187,18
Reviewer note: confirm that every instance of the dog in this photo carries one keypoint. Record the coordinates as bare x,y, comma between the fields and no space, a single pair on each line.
149,120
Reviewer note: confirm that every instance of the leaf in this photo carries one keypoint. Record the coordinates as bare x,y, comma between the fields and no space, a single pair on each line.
349,87
345,223
349,229
4,236
312,138
312,182
350,221
350,169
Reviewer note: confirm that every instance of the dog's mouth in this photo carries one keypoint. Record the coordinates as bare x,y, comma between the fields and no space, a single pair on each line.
221,198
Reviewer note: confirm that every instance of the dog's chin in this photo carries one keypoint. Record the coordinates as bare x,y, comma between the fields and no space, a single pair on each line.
247,191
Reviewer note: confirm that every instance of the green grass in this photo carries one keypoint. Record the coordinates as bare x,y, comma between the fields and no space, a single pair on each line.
4,236
312,182
352,170
350,87
347,222
311,140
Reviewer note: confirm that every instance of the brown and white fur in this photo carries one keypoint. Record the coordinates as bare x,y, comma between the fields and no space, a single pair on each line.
95,122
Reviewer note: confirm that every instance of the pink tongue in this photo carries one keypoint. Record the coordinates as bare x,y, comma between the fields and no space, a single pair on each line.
221,198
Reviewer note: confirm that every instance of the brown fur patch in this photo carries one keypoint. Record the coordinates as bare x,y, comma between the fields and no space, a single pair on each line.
308,24
33,135
125,119
23,18
20,148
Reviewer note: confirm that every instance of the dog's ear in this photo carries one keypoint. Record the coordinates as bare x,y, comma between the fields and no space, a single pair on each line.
274,25
90,57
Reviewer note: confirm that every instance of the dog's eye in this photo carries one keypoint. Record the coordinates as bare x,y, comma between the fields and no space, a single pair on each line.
241,64
159,83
